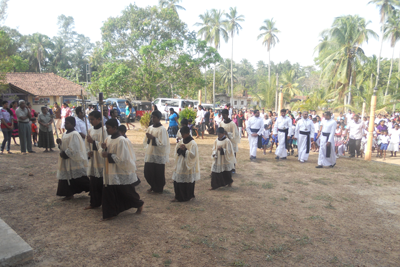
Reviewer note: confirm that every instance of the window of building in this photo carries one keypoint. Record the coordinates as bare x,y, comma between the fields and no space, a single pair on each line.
235,103
242,102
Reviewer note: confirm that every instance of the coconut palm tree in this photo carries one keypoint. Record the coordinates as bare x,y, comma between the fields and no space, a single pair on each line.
171,4
232,25
269,39
40,45
386,7
392,33
217,31
341,52
227,74
290,86
204,33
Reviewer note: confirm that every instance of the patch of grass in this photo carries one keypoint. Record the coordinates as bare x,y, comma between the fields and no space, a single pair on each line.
251,183
303,240
329,206
241,263
323,197
267,186
284,198
245,246
251,230
334,260
278,249
301,182
167,263
299,258
155,255
185,246
353,182
196,209
269,258
323,181
317,217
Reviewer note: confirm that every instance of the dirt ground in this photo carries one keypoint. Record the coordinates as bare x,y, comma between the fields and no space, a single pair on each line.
276,214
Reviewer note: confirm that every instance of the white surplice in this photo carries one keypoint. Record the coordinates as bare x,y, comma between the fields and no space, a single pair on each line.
328,127
304,125
187,168
225,161
282,123
96,162
233,134
76,165
256,123
158,154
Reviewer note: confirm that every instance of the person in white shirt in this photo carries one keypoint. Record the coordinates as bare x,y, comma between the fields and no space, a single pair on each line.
81,120
394,140
200,123
265,137
282,129
349,117
315,146
254,129
228,106
354,135
304,134
327,155
384,140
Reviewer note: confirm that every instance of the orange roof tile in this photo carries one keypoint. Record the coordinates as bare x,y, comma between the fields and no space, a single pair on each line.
44,84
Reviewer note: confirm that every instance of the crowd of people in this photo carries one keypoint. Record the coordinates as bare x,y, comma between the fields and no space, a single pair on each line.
95,155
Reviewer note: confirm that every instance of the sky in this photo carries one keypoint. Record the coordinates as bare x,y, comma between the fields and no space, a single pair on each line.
300,22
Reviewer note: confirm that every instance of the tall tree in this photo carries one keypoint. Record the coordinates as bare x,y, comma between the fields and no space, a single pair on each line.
171,4
386,7
233,26
270,39
392,33
218,31
40,46
3,10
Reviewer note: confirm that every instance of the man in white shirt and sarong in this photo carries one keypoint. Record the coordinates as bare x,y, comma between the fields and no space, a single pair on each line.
255,128
304,134
327,155
81,122
282,129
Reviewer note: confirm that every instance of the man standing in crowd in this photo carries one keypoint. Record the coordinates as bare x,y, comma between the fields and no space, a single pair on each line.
283,129
24,115
255,128
304,134
354,134
57,120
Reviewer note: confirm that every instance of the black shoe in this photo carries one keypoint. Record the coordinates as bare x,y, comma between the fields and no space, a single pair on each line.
333,165
31,152
283,158
297,156
276,157
319,167
352,156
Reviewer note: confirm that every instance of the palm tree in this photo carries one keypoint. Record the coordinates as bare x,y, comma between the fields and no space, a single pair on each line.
386,7
227,74
204,32
340,52
232,25
171,4
392,32
289,85
217,32
40,45
269,39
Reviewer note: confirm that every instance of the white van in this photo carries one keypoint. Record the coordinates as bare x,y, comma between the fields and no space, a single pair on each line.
164,104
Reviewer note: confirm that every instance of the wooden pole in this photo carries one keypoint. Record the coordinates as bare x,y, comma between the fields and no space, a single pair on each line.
368,150
199,97
363,111
276,93
280,100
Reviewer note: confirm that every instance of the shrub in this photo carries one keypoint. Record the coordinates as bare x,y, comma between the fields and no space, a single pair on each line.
187,114
145,120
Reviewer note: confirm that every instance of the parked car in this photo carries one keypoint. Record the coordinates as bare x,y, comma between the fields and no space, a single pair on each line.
141,107
119,105
164,104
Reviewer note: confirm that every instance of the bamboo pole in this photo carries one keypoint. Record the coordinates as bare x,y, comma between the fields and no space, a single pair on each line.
199,97
368,151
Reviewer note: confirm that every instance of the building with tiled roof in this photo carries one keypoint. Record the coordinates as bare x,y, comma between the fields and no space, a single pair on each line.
40,88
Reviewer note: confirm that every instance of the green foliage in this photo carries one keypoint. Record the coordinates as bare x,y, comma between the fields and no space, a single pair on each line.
187,113
145,120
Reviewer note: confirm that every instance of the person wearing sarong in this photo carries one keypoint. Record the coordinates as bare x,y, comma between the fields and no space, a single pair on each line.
224,161
72,163
283,130
255,129
157,147
93,143
119,174
326,155
187,167
46,138
81,122
231,132
304,134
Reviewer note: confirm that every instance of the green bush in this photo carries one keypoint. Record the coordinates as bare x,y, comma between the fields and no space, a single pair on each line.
145,120
187,114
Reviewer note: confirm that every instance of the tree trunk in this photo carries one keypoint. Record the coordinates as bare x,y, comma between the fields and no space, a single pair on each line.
205,86
379,57
276,92
232,73
390,75
215,66
269,66
38,59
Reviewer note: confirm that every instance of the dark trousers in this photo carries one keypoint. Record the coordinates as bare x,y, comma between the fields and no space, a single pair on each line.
354,145
7,139
25,136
